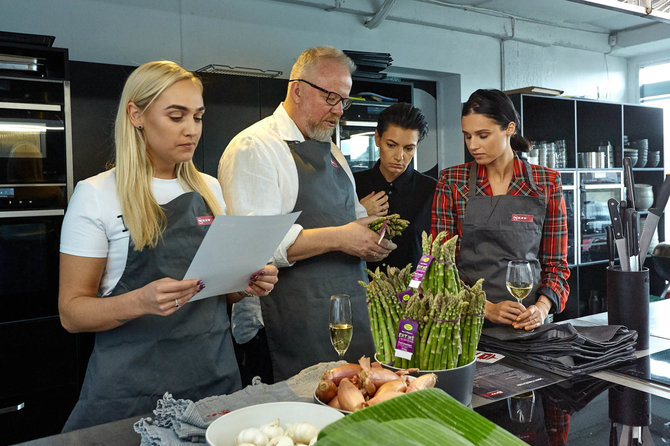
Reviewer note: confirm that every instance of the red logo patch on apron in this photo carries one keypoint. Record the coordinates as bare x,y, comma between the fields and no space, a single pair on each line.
204,221
334,163
522,218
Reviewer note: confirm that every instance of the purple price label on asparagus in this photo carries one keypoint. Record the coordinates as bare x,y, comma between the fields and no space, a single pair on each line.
404,347
421,270
404,296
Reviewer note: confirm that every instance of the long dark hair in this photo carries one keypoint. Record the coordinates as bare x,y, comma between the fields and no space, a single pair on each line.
498,106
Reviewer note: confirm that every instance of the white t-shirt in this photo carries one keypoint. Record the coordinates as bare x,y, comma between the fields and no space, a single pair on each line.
93,227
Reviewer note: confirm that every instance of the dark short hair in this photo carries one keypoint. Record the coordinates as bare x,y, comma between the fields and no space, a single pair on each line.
405,116
497,106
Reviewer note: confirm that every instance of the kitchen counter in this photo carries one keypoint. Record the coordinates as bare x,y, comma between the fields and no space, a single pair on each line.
594,413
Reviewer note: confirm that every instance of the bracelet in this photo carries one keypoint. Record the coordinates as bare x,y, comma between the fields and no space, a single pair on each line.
547,307
245,294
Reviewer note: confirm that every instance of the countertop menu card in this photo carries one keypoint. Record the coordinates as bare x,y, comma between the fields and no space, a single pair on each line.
234,248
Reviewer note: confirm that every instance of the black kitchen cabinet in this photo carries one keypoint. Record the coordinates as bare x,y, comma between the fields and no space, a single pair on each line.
585,125
39,372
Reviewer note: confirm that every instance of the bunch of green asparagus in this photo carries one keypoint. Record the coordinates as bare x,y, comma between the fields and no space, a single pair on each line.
449,313
394,225
385,308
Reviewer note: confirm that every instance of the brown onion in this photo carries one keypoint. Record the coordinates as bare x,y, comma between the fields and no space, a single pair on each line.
335,403
422,382
377,376
350,397
397,385
344,371
326,390
383,397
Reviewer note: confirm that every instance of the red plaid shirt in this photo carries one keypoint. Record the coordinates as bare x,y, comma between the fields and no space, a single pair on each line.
449,210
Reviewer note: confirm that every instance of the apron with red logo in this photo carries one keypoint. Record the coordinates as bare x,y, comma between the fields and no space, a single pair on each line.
189,353
296,312
497,229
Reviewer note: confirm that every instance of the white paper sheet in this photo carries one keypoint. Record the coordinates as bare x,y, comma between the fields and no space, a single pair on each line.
234,248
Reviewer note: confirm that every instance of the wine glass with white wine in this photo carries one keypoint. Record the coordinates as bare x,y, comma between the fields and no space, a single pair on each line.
340,323
519,279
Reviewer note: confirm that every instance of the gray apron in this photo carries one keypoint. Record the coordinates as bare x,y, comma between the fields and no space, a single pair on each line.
497,229
189,353
296,312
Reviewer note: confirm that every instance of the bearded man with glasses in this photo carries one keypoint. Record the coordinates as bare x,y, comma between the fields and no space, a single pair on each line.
286,163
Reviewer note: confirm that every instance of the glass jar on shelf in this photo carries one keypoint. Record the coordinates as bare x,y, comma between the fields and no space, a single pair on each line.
595,188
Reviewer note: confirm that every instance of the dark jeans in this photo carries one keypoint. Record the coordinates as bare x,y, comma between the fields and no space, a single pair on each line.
253,359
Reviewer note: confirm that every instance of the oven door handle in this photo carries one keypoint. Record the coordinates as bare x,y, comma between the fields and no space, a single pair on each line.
30,106
15,408
37,213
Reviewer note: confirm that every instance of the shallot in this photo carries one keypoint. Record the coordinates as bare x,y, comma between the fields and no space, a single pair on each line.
326,390
422,382
350,397
344,371
396,385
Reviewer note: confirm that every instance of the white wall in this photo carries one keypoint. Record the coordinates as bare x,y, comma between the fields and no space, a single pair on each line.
269,34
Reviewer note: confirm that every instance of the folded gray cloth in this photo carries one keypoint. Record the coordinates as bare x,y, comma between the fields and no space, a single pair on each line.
564,349
179,422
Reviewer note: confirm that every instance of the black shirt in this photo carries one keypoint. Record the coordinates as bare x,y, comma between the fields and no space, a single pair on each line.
410,196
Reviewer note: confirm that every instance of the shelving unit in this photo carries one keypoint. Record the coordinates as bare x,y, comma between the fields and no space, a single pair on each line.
585,125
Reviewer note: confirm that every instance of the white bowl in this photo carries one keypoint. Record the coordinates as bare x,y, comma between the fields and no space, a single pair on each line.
224,430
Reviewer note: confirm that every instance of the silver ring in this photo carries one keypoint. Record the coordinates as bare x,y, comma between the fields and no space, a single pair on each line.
176,303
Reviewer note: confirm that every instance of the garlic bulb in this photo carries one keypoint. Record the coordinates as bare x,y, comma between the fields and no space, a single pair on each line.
273,429
281,441
302,432
313,440
252,435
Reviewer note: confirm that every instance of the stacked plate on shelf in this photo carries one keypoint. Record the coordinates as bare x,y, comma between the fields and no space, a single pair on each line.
369,64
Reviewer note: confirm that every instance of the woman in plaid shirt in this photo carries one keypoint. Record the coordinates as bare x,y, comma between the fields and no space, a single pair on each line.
502,213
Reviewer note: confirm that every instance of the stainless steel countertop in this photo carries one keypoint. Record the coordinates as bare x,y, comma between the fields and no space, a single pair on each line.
121,432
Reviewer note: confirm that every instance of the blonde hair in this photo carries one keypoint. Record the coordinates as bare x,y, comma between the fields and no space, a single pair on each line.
142,214
309,58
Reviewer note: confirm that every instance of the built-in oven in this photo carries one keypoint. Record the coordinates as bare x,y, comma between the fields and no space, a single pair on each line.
32,133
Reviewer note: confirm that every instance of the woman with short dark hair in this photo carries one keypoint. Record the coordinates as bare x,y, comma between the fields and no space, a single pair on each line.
392,186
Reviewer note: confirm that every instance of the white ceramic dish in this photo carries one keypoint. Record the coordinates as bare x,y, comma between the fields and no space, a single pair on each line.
224,430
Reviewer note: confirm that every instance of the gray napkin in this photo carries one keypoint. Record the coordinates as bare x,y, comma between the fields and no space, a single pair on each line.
179,422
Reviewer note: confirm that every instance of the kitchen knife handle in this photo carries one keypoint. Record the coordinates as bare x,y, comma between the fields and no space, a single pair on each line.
629,181
615,217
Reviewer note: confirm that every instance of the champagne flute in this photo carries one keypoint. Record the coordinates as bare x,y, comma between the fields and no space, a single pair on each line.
340,323
519,279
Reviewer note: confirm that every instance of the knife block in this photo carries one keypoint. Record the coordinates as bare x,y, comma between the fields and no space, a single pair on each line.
628,302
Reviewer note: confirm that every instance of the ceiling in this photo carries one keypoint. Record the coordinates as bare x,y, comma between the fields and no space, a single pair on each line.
582,14
589,23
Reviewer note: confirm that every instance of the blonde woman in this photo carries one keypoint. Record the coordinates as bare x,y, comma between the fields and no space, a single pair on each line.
129,235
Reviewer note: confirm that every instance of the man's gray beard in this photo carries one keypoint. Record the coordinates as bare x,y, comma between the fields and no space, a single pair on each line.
320,134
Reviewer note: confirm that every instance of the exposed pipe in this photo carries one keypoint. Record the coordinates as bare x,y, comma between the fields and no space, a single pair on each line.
380,15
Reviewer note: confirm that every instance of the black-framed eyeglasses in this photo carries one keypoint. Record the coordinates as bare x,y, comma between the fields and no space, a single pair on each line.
332,99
